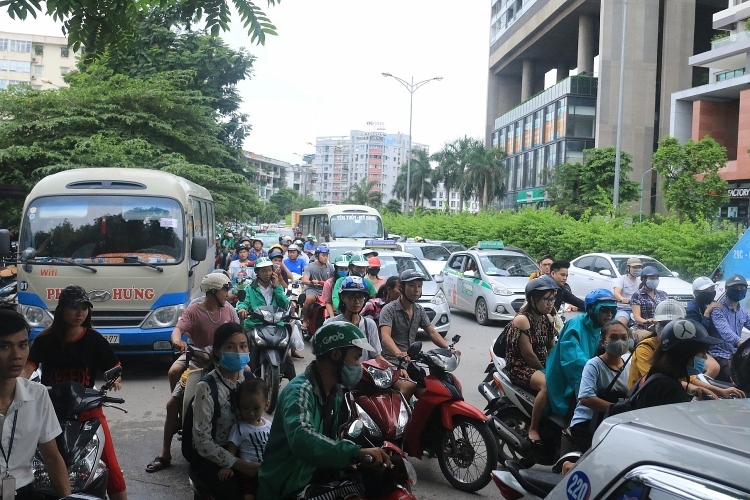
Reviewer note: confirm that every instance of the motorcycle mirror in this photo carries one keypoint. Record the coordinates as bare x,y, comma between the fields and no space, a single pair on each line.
455,339
414,349
112,373
355,429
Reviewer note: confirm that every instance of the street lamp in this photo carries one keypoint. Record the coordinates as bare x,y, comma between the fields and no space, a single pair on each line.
642,179
618,145
53,84
411,87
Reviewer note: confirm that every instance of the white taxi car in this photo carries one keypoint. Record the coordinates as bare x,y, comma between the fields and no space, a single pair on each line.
488,280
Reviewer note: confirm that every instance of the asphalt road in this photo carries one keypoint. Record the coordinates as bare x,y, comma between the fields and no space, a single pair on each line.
138,433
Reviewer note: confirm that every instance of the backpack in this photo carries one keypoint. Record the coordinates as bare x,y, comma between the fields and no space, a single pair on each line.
631,401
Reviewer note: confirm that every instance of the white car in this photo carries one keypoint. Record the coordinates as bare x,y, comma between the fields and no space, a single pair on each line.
600,270
432,255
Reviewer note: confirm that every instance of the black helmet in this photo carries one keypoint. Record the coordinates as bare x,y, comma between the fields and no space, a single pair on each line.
242,246
684,330
411,275
542,283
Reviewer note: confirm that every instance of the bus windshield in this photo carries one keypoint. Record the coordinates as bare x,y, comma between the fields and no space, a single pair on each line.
104,229
356,226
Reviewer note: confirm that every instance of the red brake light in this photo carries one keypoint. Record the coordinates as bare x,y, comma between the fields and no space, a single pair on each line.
506,491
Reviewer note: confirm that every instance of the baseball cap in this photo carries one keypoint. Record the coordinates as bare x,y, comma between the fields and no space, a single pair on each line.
72,296
634,261
669,309
702,283
735,279
373,262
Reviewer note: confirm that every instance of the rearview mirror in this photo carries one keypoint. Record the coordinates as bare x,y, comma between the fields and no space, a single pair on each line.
439,278
606,272
675,274
414,349
4,243
355,429
113,373
198,248
469,274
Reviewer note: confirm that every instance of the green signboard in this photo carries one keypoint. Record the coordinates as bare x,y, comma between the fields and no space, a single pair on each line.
530,196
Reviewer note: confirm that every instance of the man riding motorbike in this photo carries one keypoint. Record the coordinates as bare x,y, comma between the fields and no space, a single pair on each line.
314,277
304,437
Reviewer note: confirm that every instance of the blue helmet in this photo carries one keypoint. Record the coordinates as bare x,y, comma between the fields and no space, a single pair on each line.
322,249
599,296
353,284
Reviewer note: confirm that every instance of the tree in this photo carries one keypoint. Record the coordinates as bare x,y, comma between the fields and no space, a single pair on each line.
270,214
362,194
422,182
393,206
692,197
109,26
486,173
453,161
575,188
288,200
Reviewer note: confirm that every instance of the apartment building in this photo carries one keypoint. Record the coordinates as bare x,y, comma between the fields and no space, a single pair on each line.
272,174
302,178
39,61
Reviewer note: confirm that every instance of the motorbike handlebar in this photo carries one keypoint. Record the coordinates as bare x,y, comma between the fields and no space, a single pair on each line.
108,399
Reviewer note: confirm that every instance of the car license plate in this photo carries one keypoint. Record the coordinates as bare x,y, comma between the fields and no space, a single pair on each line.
112,339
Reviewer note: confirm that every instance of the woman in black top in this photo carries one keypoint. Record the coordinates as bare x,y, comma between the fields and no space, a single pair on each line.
681,353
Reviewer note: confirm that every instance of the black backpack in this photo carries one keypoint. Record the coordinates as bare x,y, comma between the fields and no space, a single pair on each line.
631,401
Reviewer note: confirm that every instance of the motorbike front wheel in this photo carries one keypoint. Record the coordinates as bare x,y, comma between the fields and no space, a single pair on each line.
272,378
467,454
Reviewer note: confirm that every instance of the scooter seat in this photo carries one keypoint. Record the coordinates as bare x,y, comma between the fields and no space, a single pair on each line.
536,482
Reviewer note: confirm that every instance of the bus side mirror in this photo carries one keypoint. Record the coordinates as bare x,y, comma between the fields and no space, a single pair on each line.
4,243
385,234
198,248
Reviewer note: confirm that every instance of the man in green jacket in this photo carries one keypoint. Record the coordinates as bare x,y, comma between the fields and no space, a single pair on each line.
263,291
304,434
357,267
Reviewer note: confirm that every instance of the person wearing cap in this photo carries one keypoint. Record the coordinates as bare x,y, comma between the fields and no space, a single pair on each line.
241,269
310,244
244,240
314,277
293,260
70,349
625,286
700,308
263,291
644,302
728,321
257,251
373,268
304,435
357,267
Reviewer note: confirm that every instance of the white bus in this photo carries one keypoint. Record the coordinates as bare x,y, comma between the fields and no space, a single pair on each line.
341,222
135,239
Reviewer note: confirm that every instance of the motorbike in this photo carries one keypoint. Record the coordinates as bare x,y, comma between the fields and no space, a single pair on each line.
8,288
516,482
81,444
446,426
316,319
269,348
508,411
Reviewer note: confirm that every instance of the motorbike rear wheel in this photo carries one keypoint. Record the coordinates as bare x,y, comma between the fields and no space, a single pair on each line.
272,377
514,419
467,454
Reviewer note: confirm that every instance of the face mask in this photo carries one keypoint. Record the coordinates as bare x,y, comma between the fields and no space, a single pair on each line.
636,272
705,297
373,271
356,273
350,374
736,295
234,361
652,284
699,366
342,274
616,347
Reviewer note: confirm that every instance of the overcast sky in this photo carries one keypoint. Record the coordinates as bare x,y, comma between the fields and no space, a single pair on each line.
322,75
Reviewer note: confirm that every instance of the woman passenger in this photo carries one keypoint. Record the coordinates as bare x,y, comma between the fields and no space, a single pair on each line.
644,302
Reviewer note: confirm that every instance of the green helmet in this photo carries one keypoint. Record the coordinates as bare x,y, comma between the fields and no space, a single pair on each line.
263,262
338,335
341,261
359,260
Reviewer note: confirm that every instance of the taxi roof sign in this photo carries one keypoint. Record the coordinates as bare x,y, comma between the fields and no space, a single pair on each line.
491,245
384,244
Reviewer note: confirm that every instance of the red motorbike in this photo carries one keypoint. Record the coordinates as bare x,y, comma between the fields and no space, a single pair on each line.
442,424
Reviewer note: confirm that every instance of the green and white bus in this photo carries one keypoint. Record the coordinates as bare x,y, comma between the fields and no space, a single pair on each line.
135,239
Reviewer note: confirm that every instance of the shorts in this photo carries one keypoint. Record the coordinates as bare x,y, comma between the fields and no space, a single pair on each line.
179,388
313,291
623,313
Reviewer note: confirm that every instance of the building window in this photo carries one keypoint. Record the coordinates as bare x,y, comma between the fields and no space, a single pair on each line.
730,74
37,70
64,52
20,46
64,71
3,65
38,50
3,44
453,204
19,66
581,117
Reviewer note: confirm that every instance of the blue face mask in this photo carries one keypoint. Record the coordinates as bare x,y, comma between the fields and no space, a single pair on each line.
350,374
652,284
342,274
736,295
234,362
699,366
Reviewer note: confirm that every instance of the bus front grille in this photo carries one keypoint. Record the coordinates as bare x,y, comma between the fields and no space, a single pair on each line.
117,319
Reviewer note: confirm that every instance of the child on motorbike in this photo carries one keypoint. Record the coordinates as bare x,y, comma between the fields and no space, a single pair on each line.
250,434
529,338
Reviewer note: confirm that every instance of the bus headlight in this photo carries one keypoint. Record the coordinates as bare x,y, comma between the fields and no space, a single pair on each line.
36,316
164,317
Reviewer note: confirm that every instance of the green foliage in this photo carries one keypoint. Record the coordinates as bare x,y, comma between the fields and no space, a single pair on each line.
693,199
110,26
288,200
270,214
691,248
392,207
575,188
422,179
363,194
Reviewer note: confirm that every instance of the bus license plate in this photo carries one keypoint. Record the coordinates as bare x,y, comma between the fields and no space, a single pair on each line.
112,339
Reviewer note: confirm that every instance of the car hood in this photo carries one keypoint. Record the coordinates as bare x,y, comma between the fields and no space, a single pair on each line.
675,286
429,289
517,284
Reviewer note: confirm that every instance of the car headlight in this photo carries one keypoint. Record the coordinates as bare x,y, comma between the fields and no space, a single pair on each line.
164,317
36,316
382,378
369,423
403,418
498,289
439,298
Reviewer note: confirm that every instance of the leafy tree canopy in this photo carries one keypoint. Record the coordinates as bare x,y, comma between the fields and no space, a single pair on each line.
288,200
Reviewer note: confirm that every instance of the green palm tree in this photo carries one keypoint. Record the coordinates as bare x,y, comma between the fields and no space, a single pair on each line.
453,161
363,194
422,184
485,173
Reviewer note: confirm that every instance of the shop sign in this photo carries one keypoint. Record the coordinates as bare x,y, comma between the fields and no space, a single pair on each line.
738,192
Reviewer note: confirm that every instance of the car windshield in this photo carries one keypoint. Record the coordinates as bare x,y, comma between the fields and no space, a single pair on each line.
622,263
428,252
268,239
104,229
507,265
356,226
454,247
394,266
337,251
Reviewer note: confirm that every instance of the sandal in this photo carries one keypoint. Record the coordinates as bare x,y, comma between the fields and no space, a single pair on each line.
158,464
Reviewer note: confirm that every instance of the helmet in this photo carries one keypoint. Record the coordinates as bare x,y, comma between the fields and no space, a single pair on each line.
263,262
293,248
669,309
275,253
540,284
337,335
72,296
650,271
341,261
287,238
411,275
684,330
353,284
369,253
214,281
242,246
599,296
358,260
312,237
276,246
373,262
418,239
322,249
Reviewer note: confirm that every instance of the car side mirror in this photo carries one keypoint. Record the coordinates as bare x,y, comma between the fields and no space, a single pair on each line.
675,274
198,248
414,349
469,274
606,272
439,278
4,242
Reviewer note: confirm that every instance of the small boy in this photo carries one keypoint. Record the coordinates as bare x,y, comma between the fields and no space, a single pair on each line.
250,435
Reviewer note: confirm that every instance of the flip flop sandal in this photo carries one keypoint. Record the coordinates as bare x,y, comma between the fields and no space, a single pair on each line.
158,464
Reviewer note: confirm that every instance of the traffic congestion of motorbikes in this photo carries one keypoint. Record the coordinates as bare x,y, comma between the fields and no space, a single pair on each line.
558,368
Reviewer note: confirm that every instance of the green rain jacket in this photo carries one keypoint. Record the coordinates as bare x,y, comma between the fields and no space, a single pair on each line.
255,299
578,343
337,286
296,446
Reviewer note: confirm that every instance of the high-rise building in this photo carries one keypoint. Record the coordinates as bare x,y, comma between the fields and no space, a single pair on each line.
272,174
40,61
535,40
342,162
302,178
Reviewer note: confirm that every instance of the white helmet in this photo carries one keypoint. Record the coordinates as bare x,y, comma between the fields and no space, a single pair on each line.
215,281
293,247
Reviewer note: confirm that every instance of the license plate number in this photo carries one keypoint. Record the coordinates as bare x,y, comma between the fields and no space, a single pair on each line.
112,339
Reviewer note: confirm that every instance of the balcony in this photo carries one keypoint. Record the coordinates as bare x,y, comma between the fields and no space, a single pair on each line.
729,40
374,171
376,151
728,53
374,161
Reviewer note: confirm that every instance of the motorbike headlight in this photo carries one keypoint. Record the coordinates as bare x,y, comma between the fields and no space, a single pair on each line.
439,298
499,289
36,316
382,378
283,342
447,362
369,423
164,317
403,418
83,465
258,339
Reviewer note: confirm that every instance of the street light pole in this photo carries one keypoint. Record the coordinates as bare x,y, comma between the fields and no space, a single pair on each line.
640,219
618,147
411,87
